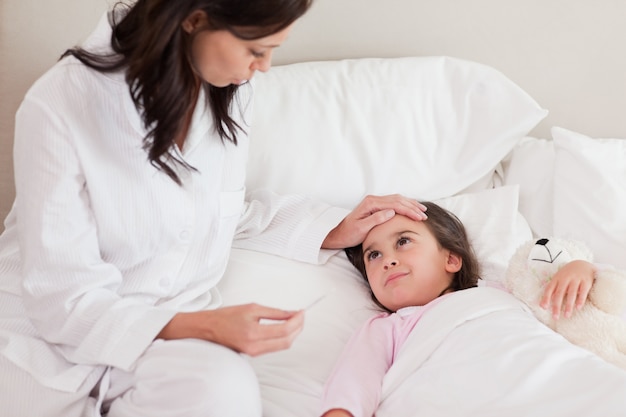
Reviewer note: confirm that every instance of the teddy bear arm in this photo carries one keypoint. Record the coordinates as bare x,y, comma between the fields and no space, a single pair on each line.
608,292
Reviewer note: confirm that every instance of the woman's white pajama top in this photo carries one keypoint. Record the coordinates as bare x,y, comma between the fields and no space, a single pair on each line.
101,249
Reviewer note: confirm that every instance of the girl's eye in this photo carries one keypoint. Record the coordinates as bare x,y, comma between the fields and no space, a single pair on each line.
403,241
372,255
257,54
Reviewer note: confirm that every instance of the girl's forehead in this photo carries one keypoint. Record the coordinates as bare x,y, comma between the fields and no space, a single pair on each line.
396,225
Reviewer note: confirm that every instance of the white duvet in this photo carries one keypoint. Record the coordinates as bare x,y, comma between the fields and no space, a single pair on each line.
477,353
481,353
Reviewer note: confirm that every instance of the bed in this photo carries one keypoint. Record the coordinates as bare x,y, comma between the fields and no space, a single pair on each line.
456,132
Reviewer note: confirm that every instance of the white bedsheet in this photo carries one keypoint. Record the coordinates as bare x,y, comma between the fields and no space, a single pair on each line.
481,353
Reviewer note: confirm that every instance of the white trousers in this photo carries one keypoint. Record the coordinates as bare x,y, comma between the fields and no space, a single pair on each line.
179,378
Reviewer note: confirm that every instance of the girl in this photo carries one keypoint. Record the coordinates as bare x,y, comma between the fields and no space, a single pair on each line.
410,267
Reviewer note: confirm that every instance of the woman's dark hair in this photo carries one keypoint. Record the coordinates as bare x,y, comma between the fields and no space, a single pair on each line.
150,44
450,233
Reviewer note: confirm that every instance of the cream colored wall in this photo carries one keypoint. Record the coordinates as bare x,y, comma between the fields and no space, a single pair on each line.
33,33
570,55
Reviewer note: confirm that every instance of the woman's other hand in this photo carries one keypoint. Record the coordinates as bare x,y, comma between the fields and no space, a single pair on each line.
251,329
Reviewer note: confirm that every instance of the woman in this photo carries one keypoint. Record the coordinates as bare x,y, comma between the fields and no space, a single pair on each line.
129,168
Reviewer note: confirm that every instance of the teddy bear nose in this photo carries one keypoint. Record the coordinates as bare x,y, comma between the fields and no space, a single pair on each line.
542,242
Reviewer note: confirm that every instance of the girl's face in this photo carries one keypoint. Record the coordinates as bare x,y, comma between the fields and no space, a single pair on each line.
220,58
405,265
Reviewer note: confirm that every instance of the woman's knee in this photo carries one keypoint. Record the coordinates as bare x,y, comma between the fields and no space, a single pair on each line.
228,383
196,377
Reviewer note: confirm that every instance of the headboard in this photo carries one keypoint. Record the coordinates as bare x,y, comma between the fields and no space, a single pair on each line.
568,55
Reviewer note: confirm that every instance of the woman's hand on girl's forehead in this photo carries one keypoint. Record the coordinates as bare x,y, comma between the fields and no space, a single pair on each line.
372,211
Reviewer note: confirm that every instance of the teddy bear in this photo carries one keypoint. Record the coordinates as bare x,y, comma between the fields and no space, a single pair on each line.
600,325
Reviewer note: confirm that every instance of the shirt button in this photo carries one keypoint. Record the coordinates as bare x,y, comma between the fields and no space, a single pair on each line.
184,235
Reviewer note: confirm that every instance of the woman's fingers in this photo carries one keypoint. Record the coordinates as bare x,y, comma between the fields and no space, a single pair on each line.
372,211
254,329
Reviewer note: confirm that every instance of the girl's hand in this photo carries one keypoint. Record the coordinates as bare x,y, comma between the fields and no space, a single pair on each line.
569,287
372,211
251,329
337,413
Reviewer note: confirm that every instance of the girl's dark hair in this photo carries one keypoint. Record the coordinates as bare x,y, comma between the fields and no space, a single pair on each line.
450,233
150,44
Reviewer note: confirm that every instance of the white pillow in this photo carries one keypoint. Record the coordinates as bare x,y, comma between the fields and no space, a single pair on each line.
292,380
494,225
531,166
428,127
590,193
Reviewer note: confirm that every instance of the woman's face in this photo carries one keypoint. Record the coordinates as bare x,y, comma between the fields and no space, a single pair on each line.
405,265
220,58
